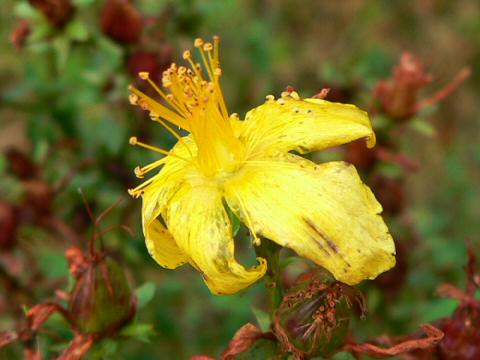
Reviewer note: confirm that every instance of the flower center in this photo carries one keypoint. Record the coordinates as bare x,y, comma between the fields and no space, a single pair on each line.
195,103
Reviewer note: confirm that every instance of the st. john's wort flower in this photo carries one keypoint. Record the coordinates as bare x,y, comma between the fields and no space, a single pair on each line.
322,211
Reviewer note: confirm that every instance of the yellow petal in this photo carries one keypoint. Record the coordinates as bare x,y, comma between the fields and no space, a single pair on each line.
160,243
304,126
323,212
199,223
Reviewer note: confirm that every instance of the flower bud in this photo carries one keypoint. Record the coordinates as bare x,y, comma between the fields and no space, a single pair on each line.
399,95
101,301
57,12
8,225
314,316
121,21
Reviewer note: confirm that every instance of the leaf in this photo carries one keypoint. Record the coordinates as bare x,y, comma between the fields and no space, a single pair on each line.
422,127
139,331
77,30
144,294
82,3
263,319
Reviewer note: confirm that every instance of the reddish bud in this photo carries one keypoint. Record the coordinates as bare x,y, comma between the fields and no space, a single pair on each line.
390,194
121,21
20,164
57,12
38,195
153,62
19,35
399,95
8,225
360,155
101,301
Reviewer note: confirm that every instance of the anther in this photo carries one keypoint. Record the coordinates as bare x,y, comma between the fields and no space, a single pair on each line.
281,102
217,72
198,42
294,95
138,172
234,116
187,55
133,140
207,47
285,94
133,99
143,75
143,104
296,110
270,97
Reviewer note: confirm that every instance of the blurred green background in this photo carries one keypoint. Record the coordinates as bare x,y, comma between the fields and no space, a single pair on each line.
64,102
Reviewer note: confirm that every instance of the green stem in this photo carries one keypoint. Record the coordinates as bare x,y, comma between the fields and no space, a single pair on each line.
271,252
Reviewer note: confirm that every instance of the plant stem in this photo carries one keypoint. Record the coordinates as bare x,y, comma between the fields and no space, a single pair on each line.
271,252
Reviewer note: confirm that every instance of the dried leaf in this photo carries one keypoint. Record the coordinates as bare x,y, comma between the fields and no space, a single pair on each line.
433,337
40,313
7,337
78,347
243,339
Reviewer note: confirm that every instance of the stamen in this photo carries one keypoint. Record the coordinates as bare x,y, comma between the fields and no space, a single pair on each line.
134,141
148,103
141,171
146,76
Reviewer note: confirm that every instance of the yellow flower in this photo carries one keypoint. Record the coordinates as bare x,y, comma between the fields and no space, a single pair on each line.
323,212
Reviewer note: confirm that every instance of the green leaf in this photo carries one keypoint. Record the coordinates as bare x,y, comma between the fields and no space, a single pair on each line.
139,331
82,3
77,30
343,356
61,46
144,294
262,349
422,127
263,319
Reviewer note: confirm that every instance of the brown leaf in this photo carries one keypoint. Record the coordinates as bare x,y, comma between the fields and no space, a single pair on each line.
7,337
433,337
243,339
30,354
78,347
37,315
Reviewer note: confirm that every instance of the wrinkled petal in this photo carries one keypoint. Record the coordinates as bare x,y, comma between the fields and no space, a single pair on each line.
304,126
160,243
323,212
197,219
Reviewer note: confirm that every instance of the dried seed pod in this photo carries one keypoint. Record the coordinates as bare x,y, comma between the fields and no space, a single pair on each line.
313,319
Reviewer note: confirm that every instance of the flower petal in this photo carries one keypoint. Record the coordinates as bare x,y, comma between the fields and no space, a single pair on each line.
323,212
199,223
160,243
304,125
